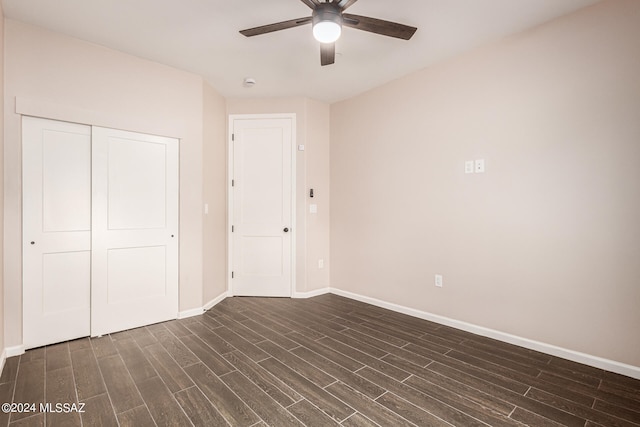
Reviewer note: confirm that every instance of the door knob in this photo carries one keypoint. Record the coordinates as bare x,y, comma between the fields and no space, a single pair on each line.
286,230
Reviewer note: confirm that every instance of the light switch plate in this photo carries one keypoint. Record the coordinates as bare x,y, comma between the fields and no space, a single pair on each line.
468,166
301,147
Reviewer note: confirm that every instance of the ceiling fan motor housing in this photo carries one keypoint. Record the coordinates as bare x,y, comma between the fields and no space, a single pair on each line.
327,12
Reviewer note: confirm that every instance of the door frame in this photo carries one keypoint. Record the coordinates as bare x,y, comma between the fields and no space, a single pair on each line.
230,199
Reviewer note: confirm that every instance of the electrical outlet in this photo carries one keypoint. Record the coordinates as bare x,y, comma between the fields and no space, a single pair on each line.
480,166
439,280
320,263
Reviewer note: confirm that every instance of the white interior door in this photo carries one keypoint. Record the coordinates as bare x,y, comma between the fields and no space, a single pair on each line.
56,231
134,230
262,235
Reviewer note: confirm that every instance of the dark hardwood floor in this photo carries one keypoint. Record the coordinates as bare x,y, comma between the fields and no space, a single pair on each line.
324,361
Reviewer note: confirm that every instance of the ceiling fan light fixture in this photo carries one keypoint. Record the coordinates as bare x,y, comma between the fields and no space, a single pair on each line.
327,23
327,31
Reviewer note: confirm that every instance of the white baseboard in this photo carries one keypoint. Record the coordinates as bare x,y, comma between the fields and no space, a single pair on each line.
14,351
190,313
3,358
215,301
586,359
313,293
200,310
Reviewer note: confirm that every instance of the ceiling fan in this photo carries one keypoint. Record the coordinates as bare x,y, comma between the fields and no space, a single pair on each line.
327,20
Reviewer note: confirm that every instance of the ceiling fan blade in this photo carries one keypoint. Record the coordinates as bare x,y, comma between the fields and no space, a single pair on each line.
344,4
275,27
378,26
311,3
327,53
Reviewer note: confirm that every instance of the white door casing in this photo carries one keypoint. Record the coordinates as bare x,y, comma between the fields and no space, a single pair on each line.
134,230
56,231
262,215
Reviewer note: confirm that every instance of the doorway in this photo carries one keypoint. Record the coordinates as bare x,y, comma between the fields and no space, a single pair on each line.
262,205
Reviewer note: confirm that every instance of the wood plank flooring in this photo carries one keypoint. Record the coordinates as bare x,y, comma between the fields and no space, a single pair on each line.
323,361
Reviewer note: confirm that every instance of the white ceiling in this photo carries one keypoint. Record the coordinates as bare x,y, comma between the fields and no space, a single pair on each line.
202,36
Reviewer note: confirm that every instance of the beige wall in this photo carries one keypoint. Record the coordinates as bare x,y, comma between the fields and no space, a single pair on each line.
2,311
312,131
72,80
544,245
317,177
214,153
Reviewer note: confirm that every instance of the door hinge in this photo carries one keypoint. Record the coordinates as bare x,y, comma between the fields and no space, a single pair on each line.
233,182
232,228
233,136
232,274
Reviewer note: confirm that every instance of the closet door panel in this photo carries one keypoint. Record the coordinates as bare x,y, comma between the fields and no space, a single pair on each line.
137,199
56,231
135,230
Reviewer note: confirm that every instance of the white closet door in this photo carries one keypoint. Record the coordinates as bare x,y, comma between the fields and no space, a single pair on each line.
56,231
135,230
